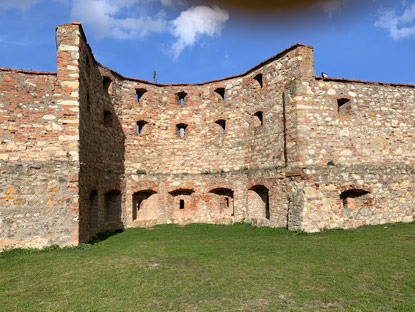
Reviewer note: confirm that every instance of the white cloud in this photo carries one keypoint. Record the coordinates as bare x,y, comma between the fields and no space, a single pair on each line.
194,22
118,19
398,26
103,16
18,4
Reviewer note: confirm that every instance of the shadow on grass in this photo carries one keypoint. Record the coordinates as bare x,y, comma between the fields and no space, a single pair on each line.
102,236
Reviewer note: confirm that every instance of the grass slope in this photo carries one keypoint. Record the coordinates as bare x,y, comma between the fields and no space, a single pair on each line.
218,268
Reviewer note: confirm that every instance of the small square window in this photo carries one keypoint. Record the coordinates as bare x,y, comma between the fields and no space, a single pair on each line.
139,93
140,126
181,130
106,82
221,92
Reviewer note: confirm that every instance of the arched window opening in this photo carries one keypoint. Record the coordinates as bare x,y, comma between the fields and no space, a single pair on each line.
181,130
141,127
344,106
221,92
222,124
181,97
258,79
107,118
258,119
144,204
182,198
139,93
93,209
258,196
113,206
106,82
355,199
223,200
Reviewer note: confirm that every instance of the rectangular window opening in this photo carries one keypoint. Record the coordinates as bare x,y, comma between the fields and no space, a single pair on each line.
140,126
221,92
181,130
221,123
106,82
181,95
182,204
259,118
139,93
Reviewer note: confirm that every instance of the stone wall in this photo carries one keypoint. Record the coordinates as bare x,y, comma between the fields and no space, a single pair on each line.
234,126
36,203
351,196
39,152
85,149
101,145
209,198
246,142
376,125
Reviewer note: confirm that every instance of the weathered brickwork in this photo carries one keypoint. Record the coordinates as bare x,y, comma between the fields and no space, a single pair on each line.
85,149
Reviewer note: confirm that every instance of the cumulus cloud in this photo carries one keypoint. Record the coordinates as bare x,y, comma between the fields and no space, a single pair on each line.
118,19
195,22
398,26
103,16
18,4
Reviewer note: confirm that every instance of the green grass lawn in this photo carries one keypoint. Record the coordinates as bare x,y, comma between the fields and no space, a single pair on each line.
218,268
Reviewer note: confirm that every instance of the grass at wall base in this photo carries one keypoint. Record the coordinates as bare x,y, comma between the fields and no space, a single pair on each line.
203,267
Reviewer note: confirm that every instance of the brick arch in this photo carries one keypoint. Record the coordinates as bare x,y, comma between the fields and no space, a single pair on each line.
181,191
183,203
145,187
220,201
146,203
263,182
218,184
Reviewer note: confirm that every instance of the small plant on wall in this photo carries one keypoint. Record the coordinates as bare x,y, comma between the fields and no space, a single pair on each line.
141,171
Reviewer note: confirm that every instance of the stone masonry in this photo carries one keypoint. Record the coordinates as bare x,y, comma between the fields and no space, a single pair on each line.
86,149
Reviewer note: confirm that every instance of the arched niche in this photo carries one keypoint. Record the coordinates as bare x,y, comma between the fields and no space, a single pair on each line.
221,201
258,202
355,204
146,205
182,199
113,206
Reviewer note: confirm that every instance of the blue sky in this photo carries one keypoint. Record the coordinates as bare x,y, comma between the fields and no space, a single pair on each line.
196,41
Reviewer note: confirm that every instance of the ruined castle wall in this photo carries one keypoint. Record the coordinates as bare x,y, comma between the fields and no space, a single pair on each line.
253,139
101,146
376,125
351,196
86,149
39,154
